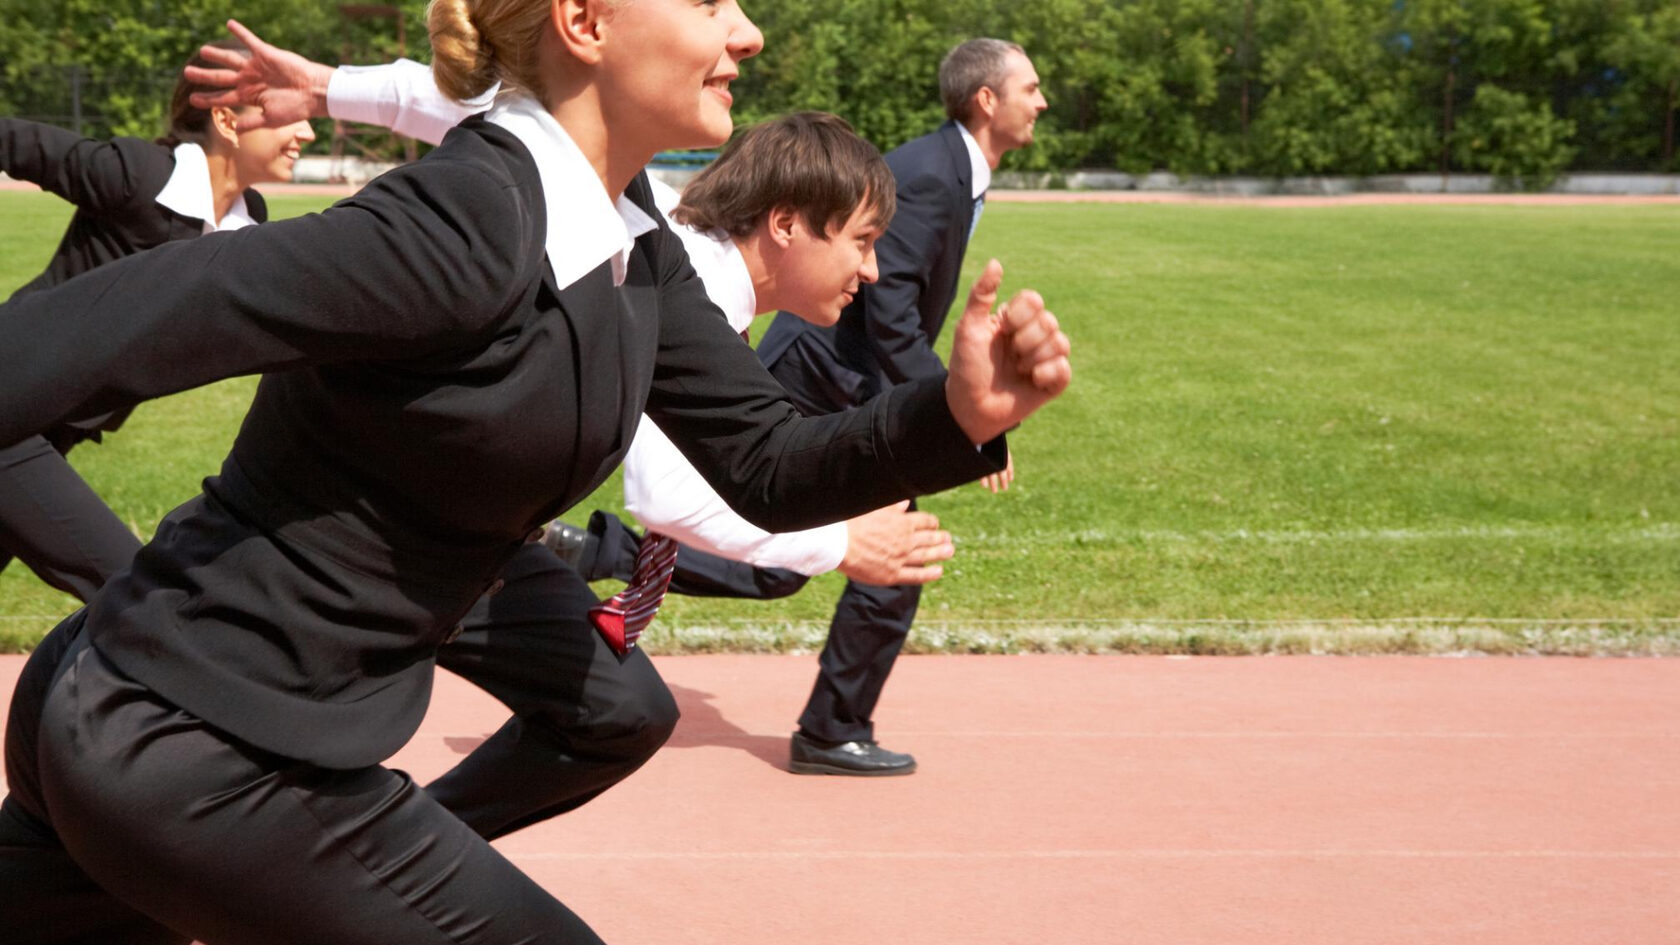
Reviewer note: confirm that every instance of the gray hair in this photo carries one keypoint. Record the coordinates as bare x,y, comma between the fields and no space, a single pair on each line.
972,66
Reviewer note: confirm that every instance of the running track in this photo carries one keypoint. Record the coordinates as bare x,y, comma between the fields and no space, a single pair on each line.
1105,799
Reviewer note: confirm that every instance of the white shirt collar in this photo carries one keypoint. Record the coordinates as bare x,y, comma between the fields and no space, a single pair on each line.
716,260
188,192
982,170
585,226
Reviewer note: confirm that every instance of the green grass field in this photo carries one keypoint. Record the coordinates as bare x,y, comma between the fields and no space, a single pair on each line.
1361,429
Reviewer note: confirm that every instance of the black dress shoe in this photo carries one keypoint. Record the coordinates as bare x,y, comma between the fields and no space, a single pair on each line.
860,758
565,540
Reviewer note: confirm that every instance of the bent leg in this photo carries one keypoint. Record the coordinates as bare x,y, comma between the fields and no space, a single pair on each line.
54,523
870,625
230,844
584,718
45,897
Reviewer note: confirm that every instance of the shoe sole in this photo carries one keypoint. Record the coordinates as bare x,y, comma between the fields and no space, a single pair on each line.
817,767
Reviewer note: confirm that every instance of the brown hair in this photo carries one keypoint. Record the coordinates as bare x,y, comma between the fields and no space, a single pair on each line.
477,43
188,122
811,161
974,65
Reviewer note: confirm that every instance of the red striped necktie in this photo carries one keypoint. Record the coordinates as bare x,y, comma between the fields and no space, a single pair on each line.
622,617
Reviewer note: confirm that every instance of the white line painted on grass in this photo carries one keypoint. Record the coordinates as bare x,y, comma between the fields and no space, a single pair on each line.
1658,533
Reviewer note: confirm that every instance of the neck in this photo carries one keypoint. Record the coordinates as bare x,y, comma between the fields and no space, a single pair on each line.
615,161
989,146
756,249
225,185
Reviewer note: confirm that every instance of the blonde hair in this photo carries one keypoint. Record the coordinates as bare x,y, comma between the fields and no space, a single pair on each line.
477,43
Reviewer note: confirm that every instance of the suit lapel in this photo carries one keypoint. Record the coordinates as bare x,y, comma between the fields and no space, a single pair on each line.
615,332
962,172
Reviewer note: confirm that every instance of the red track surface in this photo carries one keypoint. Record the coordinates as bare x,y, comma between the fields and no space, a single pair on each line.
1136,800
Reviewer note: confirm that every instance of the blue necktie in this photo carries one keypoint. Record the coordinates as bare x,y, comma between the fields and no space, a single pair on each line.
974,221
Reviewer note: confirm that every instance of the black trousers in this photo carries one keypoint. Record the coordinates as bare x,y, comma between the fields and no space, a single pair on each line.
584,718
213,839
610,553
871,622
55,524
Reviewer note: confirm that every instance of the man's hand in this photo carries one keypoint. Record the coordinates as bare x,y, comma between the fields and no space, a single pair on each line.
1007,364
895,546
999,481
288,87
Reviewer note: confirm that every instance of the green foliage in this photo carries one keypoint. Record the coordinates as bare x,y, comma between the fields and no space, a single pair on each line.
1521,88
1513,139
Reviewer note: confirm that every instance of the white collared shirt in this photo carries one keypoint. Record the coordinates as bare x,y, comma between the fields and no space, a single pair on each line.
977,159
188,192
586,227
665,493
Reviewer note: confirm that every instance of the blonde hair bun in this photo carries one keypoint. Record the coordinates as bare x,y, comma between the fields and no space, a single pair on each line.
462,65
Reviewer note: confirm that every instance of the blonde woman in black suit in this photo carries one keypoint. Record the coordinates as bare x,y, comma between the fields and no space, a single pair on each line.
453,356
130,195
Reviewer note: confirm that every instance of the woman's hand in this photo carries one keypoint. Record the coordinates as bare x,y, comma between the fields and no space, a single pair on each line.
288,87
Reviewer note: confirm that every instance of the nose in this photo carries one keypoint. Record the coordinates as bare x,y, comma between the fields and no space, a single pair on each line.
745,38
304,131
869,271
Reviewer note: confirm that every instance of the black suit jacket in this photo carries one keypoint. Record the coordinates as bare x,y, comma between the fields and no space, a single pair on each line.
431,398
886,335
114,186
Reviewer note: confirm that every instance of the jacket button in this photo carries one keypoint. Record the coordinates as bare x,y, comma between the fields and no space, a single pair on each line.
453,635
495,587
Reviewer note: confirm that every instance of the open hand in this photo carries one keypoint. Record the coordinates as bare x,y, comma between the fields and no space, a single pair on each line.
287,87
999,481
895,545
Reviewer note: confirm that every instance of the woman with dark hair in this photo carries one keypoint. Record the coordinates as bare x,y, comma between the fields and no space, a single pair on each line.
453,356
130,195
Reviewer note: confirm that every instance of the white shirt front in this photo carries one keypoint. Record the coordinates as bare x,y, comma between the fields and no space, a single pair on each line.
188,192
661,489
977,160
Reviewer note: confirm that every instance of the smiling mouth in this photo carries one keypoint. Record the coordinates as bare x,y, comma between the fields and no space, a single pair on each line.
721,87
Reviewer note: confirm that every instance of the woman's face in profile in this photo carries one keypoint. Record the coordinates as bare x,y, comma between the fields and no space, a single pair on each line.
667,65
268,155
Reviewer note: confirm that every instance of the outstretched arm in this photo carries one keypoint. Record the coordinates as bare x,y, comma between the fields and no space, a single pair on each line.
890,545
92,174
379,275
401,95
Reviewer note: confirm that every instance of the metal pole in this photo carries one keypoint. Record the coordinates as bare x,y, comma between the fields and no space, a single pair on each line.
76,98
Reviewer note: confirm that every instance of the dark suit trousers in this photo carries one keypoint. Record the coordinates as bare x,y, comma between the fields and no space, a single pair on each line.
870,621
52,522
610,553
216,840
584,719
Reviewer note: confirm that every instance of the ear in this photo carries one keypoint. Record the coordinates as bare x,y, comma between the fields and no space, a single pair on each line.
781,223
224,124
986,101
580,27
